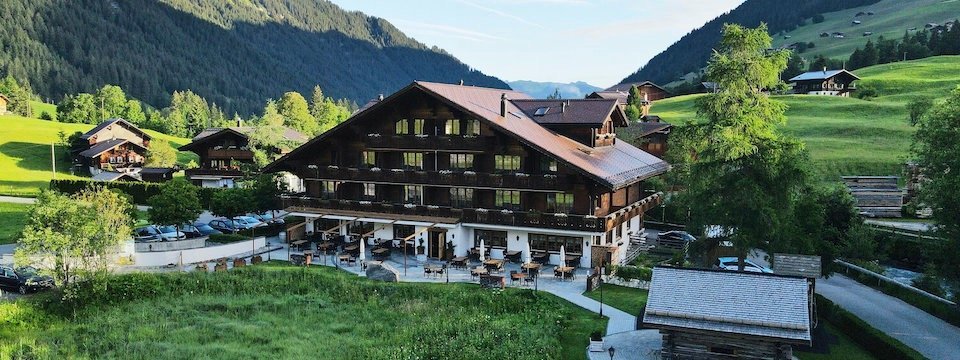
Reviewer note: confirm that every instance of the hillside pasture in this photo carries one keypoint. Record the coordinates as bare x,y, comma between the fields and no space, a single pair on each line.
25,161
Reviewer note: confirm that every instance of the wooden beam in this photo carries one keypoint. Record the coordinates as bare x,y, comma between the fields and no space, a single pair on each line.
330,230
420,232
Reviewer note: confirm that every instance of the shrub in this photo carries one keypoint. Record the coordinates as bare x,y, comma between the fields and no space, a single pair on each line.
628,272
138,191
867,93
228,238
818,18
46,116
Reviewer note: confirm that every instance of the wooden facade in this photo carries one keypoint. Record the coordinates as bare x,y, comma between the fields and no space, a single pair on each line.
113,145
421,155
4,100
826,82
224,153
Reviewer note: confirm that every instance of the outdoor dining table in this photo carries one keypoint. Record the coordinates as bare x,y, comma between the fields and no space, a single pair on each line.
493,265
570,258
517,276
432,269
298,244
565,271
459,262
352,247
530,266
477,271
325,246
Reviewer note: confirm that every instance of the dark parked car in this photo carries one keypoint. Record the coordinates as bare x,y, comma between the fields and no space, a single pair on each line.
190,231
23,280
226,226
146,234
205,229
268,217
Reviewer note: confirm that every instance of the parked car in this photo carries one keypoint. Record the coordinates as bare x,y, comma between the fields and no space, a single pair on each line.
732,263
676,235
226,226
204,229
190,231
268,217
249,221
170,233
23,280
147,233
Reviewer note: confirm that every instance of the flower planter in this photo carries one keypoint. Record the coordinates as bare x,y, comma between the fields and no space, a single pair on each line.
596,346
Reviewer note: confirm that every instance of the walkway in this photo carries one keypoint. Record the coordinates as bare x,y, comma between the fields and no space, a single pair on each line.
932,337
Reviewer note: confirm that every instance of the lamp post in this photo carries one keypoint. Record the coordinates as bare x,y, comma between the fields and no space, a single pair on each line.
612,352
600,284
447,270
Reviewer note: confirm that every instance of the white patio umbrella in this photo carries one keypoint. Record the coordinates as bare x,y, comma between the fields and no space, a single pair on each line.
527,254
363,251
483,250
563,256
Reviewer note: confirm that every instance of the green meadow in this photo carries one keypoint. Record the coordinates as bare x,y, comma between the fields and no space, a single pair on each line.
850,136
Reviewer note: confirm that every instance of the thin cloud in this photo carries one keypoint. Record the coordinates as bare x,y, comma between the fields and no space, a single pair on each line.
448,31
501,13
570,2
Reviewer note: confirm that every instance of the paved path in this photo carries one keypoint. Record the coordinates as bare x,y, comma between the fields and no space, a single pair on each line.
932,337
631,345
17,200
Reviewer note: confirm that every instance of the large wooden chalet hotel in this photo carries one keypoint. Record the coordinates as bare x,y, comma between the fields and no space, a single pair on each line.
452,164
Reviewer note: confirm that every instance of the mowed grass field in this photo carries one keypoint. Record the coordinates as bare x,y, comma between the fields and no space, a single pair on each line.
12,219
891,19
277,311
25,161
849,136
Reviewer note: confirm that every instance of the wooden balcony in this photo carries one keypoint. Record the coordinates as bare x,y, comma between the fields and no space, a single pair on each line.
481,216
214,172
229,154
449,178
443,142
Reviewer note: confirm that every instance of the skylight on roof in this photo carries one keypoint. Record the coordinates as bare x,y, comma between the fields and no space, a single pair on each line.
541,111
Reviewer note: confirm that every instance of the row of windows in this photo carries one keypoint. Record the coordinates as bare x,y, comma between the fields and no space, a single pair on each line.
450,127
414,160
459,197
498,239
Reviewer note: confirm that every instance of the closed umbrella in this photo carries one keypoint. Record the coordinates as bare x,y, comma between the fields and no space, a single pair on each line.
527,255
483,250
563,256
363,251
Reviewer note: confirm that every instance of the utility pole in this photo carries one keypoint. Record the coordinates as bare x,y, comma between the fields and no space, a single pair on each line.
53,161
904,56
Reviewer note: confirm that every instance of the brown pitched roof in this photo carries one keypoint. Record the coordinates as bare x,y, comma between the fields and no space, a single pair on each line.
626,87
650,127
106,123
242,131
613,166
570,112
103,146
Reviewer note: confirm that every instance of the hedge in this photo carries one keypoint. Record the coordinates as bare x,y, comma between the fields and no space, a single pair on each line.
228,238
139,191
944,311
869,338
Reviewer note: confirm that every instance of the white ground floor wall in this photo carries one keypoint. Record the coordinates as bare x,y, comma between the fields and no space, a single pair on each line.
463,236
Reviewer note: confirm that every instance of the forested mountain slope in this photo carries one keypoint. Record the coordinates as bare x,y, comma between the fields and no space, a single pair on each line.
691,52
235,53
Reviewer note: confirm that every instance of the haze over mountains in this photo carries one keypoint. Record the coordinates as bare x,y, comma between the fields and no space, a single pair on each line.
234,53
575,90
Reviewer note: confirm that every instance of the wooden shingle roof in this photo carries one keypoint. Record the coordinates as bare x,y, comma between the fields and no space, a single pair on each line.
742,303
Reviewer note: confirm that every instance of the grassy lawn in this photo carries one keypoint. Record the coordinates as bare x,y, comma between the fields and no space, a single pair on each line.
12,219
25,152
278,311
626,299
849,136
840,347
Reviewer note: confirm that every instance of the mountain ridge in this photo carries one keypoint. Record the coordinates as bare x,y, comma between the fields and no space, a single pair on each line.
543,89
233,53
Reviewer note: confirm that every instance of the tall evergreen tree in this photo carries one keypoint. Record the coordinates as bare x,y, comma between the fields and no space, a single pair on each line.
296,113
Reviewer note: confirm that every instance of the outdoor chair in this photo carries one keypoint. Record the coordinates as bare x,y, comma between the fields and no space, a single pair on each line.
441,270
531,277
557,273
513,276
427,270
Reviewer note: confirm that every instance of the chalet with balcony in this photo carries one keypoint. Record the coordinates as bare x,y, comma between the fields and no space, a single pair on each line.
114,145
4,100
654,135
453,165
223,154
825,82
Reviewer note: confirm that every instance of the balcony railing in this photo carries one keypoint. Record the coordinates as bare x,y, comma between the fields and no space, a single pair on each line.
213,172
442,142
229,154
443,177
482,216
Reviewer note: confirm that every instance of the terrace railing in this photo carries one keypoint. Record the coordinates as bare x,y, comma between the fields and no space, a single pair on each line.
442,142
444,177
470,215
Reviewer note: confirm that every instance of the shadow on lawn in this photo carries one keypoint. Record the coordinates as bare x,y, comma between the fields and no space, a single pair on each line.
34,156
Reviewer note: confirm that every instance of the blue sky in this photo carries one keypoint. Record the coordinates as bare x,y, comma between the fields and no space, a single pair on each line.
597,41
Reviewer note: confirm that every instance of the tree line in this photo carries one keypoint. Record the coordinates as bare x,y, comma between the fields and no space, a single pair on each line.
188,113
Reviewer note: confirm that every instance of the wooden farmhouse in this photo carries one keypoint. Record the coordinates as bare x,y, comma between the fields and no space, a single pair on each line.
825,82
4,101
648,90
114,145
720,314
654,135
452,165
223,153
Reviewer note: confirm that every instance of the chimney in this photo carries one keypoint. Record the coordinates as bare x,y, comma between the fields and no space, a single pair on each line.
239,122
824,69
461,82
563,106
503,104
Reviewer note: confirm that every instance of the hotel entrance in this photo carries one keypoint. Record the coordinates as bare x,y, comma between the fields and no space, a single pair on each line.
438,243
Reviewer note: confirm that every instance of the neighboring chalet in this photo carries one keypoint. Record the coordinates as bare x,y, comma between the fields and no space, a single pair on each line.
825,82
114,145
720,314
223,152
452,165
4,100
111,176
648,90
654,135
153,174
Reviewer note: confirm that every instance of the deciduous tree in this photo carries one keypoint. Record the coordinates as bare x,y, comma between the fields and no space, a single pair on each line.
161,154
296,113
178,202
230,203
